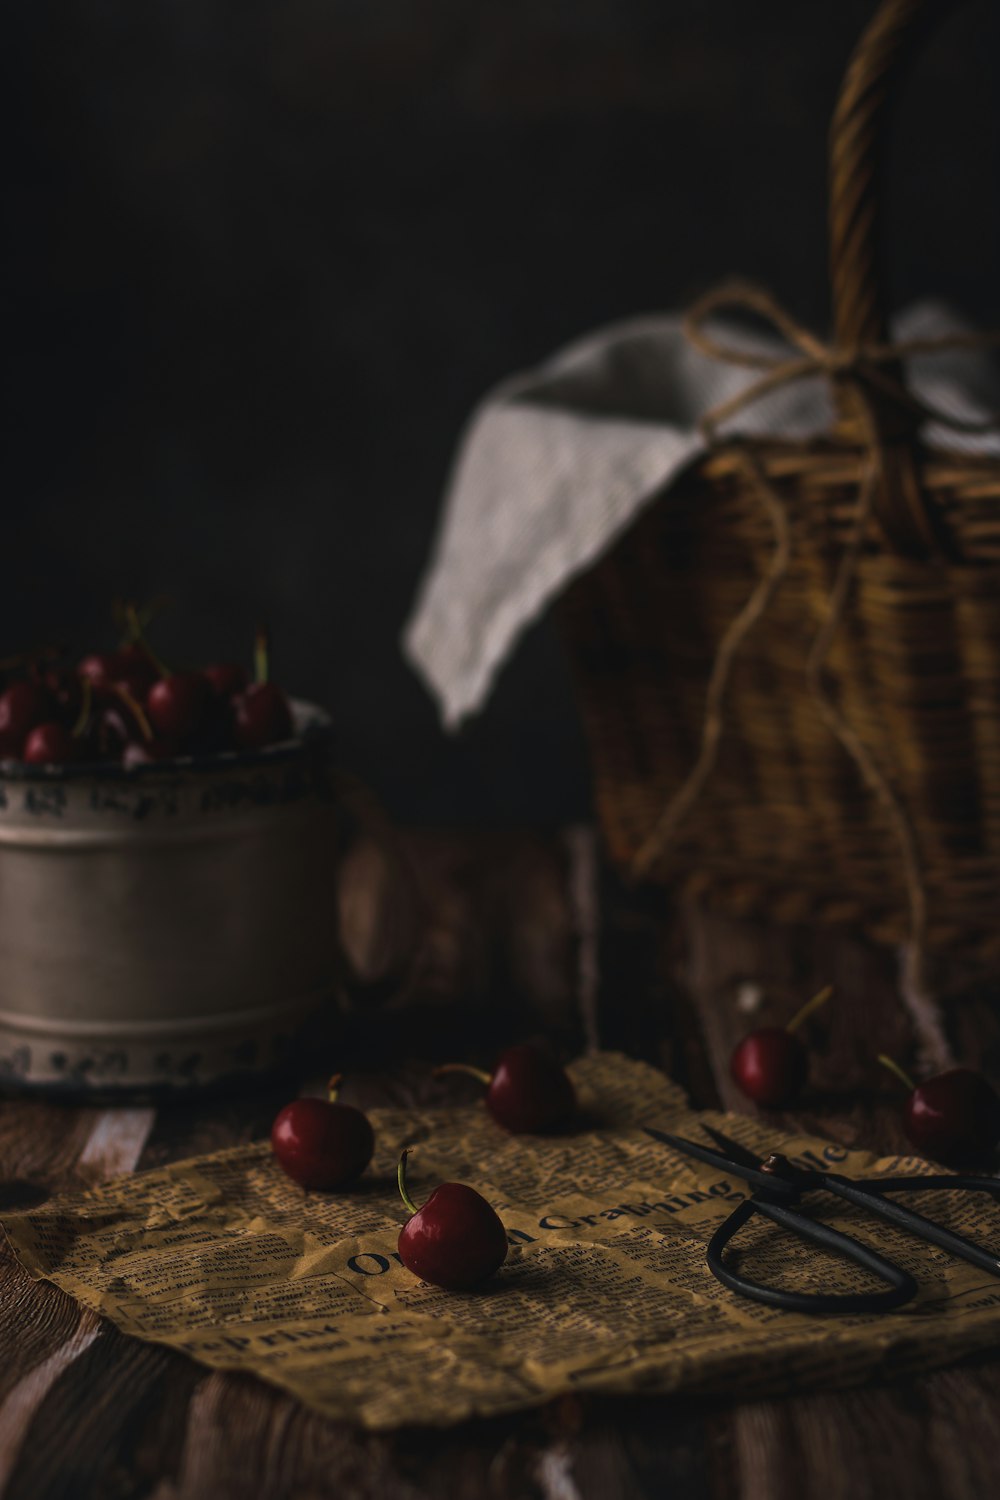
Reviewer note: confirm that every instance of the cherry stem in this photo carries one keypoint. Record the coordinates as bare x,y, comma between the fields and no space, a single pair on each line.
137,638
809,1007
333,1088
261,654
478,1073
401,1180
145,616
136,709
897,1071
86,697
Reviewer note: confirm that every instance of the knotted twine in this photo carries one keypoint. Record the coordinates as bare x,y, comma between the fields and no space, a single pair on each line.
871,369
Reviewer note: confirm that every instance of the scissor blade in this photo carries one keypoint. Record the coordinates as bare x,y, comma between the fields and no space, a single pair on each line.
732,1148
716,1159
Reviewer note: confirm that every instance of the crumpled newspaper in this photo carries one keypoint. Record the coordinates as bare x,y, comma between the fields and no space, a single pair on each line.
605,1288
557,462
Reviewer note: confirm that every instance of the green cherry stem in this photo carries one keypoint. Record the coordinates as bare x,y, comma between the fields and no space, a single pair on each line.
333,1088
136,709
897,1071
82,718
810,1006
401,1180
137,638
479,1074
261,654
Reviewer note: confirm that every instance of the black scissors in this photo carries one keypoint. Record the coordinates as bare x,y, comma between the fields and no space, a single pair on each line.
779,1186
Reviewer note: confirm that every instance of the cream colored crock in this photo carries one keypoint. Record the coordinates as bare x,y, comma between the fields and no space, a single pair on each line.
169,927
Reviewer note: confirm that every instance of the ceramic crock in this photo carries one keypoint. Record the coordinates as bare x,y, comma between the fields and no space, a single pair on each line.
168,927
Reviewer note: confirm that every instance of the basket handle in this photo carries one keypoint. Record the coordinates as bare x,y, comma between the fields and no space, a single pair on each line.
908,523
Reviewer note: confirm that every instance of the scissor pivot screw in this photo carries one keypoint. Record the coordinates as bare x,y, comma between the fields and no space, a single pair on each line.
776,1165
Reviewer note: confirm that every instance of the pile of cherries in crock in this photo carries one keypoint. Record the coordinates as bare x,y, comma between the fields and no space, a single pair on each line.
126,706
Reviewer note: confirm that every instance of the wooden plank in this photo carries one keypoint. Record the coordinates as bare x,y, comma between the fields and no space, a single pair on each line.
91,1436
31,1388
106,1416
40,1145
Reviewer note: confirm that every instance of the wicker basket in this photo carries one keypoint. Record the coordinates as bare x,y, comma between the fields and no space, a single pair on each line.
786,824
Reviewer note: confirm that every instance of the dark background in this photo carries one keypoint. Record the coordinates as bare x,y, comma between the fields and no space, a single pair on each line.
262,256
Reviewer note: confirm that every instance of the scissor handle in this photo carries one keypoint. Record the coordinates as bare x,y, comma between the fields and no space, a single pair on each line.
868,1195
902,1287
911,1184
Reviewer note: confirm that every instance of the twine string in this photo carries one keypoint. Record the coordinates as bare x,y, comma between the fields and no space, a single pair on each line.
728,649
870,366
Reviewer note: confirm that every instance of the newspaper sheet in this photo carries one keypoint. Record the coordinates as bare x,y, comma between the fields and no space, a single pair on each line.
605,1288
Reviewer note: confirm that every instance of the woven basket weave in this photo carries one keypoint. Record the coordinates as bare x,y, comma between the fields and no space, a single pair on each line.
786,825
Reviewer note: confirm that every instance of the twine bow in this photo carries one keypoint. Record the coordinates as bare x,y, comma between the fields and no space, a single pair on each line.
872,371
869,365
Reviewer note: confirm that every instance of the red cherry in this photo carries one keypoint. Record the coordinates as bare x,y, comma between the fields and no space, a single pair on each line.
771,1065
175,704
50,744
455,1241
261,716
225,678
136,665
22,706
135,671
321,1143
108,670
528,1093
953,1117
63,685
100,667
121,721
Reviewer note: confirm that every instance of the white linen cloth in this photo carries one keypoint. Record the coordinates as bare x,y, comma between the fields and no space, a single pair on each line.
558,461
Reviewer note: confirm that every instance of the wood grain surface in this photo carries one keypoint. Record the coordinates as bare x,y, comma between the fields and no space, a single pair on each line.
519,941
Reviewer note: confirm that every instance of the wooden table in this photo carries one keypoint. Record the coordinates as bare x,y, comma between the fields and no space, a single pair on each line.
523,937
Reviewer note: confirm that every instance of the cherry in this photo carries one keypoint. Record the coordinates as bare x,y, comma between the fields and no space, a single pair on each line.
22,706
528,1093
770,1065
137,673
261,716
455,1241
50,744
175,704
100,667
106,671
121,722
954,1116
64,687
116,727
321,1143
225,678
